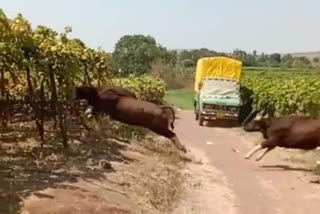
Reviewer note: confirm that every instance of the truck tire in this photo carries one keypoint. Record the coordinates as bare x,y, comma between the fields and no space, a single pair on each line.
200,120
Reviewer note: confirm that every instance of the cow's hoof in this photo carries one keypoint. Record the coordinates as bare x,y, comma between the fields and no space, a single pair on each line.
185,158
183,150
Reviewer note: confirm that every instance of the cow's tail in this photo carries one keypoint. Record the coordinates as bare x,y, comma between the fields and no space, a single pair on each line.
174,115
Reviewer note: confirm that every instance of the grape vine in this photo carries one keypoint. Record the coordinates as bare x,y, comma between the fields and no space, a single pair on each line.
39,61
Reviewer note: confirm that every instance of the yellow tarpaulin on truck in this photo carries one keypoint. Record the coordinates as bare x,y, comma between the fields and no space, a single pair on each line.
221,67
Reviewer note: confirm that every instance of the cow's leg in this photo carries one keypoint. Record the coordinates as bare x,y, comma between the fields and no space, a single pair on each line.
269,143
264,153
170,135
175,140
254,150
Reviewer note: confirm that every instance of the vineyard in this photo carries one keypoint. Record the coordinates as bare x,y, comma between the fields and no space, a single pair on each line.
55,159
39,68
284,93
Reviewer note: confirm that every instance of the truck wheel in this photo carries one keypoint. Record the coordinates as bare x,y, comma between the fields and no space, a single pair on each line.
201,120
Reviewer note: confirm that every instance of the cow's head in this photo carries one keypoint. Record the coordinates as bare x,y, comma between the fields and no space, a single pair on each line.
84,92
258,124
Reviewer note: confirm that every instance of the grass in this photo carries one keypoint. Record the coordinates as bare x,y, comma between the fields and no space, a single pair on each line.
181,98
161,174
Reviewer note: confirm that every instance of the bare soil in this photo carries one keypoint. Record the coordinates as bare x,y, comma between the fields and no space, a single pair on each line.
280,183
99,176
151,177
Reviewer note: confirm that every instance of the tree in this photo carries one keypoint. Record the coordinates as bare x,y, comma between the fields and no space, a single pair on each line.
247,58
276,57
305,60
134,54
187,63
190,58
287,60
39,60
183,55
254,54
315,60
200,53
240,54
168,57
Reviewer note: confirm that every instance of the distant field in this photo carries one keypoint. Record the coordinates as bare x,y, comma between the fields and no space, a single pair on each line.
182,98
268,69
285,91
277,69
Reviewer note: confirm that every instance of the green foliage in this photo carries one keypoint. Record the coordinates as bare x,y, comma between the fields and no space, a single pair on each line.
287,60
276,58
315,60
182,98
41,51
188,63
285,94
35,61
135,54
301,62
45,53
145,87
190,58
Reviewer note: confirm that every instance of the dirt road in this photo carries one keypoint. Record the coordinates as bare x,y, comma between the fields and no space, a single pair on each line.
239,185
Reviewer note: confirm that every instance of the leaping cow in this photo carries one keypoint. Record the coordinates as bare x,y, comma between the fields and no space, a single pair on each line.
294,132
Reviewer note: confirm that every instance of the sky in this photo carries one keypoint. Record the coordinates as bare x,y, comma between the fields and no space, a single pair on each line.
269,26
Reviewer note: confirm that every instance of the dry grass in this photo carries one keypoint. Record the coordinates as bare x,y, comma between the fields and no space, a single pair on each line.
317,170
145,172
164,183
160,175
165,189
306,159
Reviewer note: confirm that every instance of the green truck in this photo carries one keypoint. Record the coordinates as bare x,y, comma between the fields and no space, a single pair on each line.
217,89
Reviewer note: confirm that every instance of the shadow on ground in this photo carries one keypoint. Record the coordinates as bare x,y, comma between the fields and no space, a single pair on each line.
284,168
222,124
26,168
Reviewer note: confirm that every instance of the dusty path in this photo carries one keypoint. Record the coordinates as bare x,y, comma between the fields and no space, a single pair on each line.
253,189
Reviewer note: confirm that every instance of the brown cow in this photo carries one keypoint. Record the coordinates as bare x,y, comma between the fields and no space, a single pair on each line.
95,95
263,123
90,93
295,132
134,112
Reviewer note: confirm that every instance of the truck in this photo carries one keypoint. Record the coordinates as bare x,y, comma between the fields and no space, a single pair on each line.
217,89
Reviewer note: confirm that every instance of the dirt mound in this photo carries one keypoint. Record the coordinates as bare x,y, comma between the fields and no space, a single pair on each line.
150,181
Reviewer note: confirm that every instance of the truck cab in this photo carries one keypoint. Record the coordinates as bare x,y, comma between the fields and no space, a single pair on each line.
217,89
